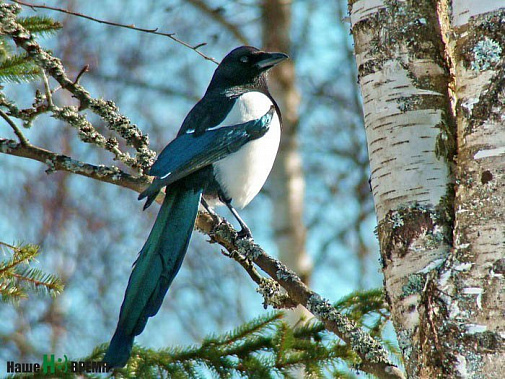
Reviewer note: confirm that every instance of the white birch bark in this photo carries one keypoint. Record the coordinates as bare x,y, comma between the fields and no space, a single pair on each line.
473,280
403,79
430,72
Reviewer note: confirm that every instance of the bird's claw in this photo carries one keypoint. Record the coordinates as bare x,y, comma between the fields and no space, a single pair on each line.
245,233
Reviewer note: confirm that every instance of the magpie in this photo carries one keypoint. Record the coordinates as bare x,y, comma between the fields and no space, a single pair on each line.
223,153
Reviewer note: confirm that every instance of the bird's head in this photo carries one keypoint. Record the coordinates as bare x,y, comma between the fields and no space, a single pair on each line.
245,65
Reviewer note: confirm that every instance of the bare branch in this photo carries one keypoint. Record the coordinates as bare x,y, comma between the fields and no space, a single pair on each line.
88,133
59,162
17,131
129,81
131,27
374,358
83,70
217,16
26,115
47,87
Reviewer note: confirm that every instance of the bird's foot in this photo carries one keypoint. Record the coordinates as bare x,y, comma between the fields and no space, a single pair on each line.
245,233
214,216
210,211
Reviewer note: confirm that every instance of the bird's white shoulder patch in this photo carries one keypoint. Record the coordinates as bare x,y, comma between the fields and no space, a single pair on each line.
249,106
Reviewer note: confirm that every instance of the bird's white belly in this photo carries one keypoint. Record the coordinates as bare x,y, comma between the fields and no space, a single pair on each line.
242,174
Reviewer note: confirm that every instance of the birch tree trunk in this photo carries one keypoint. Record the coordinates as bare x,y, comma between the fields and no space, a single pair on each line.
432,78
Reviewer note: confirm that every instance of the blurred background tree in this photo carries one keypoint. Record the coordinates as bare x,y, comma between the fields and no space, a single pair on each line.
316,210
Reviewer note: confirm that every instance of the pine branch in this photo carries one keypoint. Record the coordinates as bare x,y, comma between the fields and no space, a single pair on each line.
21,254
17,277
39,281
266,347
5,48
362,303
18,69
40,25
257,325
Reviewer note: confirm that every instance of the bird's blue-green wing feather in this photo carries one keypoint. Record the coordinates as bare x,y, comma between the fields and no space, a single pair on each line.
189,153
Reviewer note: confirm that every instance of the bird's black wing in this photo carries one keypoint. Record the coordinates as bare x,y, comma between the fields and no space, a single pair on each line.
189,152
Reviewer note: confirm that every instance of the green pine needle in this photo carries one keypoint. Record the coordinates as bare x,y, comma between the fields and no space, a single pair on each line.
17,277
258,325
339,374
21,254
266,347
5,48
18,69
39,281
40,25
359,304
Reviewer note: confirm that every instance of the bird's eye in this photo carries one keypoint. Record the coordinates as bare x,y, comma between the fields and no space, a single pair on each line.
244,59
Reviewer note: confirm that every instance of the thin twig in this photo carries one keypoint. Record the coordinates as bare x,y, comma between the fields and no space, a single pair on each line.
131,27
35,282
83,70
17,131
218,17
248,267
60,162
7,245
49,96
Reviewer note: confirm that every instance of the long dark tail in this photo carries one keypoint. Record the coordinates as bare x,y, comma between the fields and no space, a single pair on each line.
155,268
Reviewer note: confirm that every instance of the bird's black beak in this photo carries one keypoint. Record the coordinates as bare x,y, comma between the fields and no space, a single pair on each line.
268,60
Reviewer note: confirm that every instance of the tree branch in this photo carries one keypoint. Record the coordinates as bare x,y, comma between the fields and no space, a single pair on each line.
374,358
131,27
217,16
133,82
17,131
59,162
107,110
